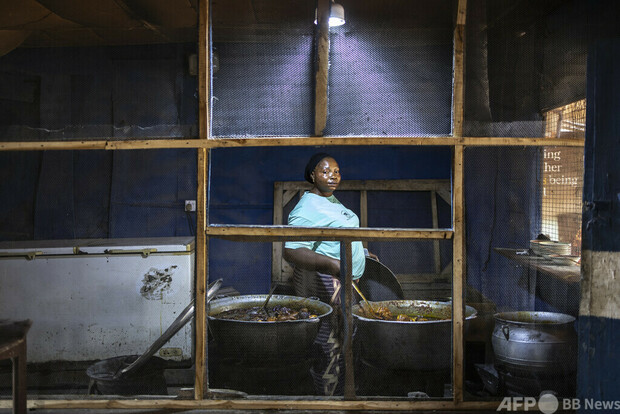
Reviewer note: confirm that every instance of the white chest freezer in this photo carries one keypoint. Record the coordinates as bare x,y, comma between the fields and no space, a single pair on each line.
93,299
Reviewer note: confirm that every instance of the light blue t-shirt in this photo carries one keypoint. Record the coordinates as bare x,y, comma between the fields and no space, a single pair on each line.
316,211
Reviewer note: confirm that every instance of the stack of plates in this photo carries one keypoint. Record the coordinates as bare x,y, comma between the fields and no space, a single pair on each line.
546,248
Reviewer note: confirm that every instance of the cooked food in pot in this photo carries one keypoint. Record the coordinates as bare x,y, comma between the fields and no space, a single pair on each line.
417,314
273,314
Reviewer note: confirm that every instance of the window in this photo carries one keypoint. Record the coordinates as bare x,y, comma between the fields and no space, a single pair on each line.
562,175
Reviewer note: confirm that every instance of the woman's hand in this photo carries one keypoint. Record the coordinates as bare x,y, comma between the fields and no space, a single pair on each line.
372,255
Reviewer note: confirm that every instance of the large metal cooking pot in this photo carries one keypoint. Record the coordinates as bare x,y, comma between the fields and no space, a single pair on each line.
420,346
535,343
265,340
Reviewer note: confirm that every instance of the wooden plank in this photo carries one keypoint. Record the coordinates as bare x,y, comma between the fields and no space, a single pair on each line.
201,378
423,278
321,79
254,404
507,142
458,273
445,195
435,218
404,141
166,142
458,211
204,71
346,268
276,247
283,233
377,185
458,70
326,141
364,211
201,386
287,196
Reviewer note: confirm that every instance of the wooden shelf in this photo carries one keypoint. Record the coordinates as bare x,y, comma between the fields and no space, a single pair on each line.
566,273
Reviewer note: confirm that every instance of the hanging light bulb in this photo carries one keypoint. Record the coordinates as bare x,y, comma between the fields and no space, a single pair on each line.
336,15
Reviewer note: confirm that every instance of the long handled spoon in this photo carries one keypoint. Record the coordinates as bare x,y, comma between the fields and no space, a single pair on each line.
264,307
364,299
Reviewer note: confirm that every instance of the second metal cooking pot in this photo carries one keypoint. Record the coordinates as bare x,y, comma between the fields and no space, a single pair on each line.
541,343
420,346
278,340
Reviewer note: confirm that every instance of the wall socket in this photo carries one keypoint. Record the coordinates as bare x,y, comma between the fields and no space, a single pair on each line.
190,205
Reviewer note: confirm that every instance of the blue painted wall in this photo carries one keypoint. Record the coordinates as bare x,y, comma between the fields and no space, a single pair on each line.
242,193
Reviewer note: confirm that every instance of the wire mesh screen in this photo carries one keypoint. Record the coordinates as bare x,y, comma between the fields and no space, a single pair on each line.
562,176
515,274
390,69
109,268
307,358
523,58
114,92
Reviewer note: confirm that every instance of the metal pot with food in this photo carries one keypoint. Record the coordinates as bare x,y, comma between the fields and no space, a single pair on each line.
541,343
406,334
285,329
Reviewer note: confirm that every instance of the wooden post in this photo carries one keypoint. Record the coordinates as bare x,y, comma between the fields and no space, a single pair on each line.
458,273
435,217
364,211
458,207
459,70
276,247
346,296
322,67
204,81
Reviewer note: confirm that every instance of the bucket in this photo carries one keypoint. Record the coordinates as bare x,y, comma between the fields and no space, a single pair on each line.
148,379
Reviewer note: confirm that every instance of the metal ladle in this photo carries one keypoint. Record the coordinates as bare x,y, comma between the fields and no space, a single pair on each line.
264,307
364,298
178,323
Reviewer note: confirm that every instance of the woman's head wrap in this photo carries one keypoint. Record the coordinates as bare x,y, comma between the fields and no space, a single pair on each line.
314,160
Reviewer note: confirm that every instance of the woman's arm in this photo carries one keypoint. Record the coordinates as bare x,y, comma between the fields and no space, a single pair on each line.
309,260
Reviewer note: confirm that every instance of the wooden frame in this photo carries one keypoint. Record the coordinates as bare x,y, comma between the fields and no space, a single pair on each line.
285,191
271,233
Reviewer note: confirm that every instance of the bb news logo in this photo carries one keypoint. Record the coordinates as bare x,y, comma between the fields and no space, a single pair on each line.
549,404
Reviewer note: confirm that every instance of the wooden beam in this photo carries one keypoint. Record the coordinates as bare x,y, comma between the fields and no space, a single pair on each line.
283,233
346,299
200,378
157,143
445,194
364,211
435,218
377,185
458,70
201,386
321,77
507,142
458,206
255,404
287,197
458,272
276,247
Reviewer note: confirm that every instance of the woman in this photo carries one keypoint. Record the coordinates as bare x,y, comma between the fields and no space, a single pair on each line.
317,263
320,208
